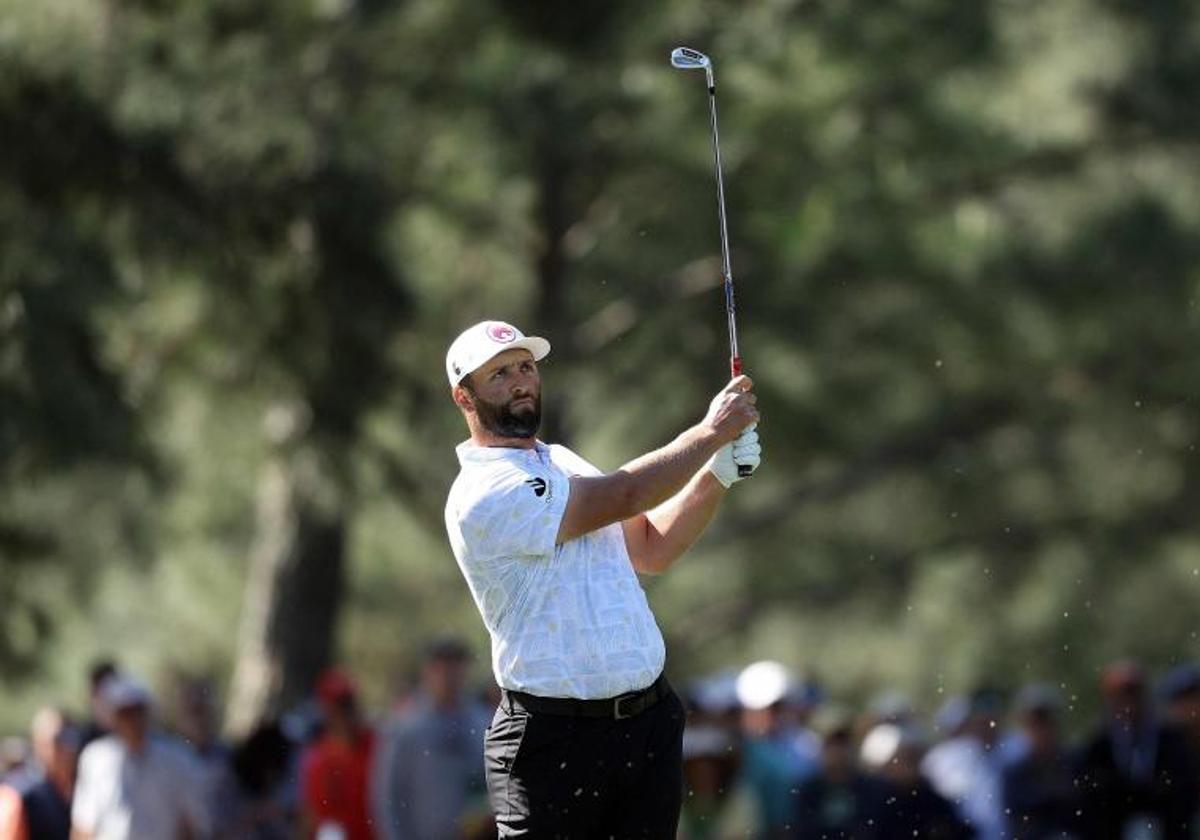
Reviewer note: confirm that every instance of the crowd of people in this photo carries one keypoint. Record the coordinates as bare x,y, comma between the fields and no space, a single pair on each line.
140,769
766,755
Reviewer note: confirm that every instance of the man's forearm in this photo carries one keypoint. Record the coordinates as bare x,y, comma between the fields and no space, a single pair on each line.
640,485
659,537
658,476
646,482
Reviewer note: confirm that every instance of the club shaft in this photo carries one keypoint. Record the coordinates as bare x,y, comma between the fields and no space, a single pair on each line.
735,359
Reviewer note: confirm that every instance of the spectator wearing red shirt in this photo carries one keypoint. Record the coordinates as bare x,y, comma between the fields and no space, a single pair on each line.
336,768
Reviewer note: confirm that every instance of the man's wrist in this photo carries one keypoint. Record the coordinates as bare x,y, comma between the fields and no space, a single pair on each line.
708,438
710,480
721,467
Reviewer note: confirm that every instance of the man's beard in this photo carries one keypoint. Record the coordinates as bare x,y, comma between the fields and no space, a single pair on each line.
502,421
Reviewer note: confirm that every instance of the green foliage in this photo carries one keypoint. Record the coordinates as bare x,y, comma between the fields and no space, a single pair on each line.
966,241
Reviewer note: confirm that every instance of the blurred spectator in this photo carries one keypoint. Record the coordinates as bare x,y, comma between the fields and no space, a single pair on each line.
1039,787
710,768
803,698
890,706
909,807
838,801
14,755
966,768
335,770
1180,693
97,725
252,796
133,783
195,719
36,805
1135,775
774,759
711,759
428,781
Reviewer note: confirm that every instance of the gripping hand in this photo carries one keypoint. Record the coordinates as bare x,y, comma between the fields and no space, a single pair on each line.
744,452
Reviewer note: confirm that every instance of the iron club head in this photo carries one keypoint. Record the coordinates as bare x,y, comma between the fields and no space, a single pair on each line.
686,58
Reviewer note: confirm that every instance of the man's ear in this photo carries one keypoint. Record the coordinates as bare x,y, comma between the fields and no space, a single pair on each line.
462,399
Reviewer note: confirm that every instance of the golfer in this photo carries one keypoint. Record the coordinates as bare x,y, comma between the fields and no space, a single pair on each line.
587,739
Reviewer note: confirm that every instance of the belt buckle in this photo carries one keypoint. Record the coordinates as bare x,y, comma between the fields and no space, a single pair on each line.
617,714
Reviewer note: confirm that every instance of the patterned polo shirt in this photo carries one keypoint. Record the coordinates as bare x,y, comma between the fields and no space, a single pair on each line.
567,620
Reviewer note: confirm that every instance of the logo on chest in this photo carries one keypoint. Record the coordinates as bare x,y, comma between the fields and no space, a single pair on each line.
539,486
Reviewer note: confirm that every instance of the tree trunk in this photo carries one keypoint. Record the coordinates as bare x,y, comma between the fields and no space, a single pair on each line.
550,312
292,596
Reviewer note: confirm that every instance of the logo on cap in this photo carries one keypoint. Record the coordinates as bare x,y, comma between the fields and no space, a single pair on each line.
501,333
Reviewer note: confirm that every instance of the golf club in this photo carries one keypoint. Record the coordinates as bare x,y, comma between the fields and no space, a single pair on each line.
685,58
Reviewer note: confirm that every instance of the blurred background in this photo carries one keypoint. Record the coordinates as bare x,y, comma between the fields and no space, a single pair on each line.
236,239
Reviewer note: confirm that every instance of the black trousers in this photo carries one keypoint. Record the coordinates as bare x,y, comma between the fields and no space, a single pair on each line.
576,778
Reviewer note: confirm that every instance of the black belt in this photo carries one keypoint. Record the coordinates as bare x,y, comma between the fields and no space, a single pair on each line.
617,708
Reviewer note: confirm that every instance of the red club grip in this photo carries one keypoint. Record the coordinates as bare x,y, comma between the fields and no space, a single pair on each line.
735,366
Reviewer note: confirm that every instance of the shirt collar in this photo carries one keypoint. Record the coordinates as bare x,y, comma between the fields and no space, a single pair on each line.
471,453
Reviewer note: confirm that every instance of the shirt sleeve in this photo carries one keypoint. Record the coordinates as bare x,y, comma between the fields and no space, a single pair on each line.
516,513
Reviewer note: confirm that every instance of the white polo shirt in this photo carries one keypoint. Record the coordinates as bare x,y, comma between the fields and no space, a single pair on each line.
123,796
566,620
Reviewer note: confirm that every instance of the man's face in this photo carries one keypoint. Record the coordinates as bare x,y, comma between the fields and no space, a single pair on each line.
56,745
1127,703
837,754
444,679
131,724
506,395
905,766
1041,728
341,713
65,756
760,723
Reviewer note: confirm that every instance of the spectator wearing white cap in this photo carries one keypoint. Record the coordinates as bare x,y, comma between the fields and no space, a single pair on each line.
910,807
776,759
134,784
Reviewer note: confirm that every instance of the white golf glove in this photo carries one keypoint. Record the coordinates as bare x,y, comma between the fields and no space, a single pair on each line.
744,451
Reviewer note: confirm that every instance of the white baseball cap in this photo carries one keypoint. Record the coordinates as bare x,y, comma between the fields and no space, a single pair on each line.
763,684
477,344
122,692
